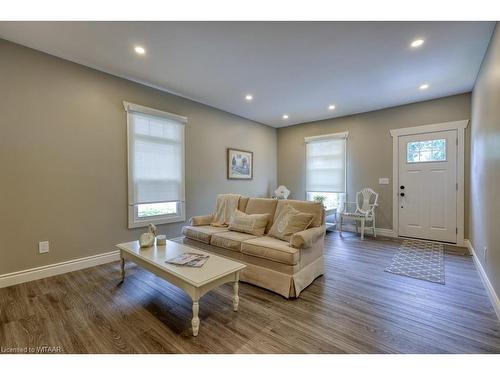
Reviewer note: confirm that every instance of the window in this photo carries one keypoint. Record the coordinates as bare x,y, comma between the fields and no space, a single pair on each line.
156,209
155,166
426,151
326,169
329,200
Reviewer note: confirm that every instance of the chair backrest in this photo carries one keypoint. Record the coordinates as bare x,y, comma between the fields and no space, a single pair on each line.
367,197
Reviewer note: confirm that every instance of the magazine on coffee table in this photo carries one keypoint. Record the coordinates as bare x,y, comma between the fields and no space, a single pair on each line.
189,260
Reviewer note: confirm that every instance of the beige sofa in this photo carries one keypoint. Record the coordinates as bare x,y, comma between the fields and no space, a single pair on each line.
283,267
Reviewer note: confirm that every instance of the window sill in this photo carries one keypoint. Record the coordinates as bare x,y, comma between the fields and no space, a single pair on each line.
140,223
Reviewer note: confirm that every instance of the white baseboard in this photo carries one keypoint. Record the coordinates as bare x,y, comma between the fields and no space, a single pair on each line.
484,278
57,268
368,231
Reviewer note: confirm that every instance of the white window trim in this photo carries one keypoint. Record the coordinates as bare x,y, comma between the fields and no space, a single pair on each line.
341,135
459,126
136,222
131,107
133,220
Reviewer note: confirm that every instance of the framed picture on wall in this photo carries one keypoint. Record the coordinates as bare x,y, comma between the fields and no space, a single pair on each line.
239,164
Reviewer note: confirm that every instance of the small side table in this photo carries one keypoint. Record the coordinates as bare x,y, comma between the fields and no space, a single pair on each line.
329,215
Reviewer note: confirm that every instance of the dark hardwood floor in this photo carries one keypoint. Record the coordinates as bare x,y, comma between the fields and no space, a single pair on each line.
355,308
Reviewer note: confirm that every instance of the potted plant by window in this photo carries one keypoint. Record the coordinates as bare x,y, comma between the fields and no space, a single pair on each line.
320,199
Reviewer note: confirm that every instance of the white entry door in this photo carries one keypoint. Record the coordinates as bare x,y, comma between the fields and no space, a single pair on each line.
428,186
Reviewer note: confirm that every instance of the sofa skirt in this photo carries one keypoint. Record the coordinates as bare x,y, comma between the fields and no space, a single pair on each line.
289,286
279,280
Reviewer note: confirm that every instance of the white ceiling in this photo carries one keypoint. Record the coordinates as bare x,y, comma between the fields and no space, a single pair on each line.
297,68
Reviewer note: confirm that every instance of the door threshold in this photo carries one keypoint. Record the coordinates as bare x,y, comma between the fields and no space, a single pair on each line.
428,240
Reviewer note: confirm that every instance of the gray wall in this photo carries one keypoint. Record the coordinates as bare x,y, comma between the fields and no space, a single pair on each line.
485,163
369,147
63,157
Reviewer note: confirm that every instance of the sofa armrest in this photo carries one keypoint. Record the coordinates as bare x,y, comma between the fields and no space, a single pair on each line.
306,238
201,220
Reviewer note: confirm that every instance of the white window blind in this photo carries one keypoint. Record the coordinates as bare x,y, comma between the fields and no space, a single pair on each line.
155,156
326,163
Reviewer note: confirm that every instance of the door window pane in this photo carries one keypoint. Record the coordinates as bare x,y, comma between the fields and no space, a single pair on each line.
425,151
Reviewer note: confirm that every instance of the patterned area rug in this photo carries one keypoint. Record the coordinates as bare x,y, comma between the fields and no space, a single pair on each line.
419,259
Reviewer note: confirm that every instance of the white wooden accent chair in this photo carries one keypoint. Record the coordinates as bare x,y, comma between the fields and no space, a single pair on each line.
364,213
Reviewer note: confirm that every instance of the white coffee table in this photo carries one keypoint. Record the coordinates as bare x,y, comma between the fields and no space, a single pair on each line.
196,282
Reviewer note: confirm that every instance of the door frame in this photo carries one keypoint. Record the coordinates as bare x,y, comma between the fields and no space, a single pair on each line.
459,126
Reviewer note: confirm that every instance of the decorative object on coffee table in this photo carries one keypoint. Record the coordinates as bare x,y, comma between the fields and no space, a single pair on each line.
148,239
189,260
161,240
281,192
239,164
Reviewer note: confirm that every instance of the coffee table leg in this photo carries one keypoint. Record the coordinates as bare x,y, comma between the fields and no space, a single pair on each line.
236,298
195,322
122,267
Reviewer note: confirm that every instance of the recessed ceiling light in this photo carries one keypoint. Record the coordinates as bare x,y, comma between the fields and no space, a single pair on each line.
139,50
285,117
425,86
249,97
331,107
417,43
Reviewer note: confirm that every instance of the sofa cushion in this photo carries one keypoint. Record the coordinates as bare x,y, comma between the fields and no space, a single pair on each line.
262,206
230,240
202,233
289,222
314,208
272,249
252,224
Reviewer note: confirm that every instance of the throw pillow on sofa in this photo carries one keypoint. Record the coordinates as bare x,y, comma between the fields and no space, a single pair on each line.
289,222
252,224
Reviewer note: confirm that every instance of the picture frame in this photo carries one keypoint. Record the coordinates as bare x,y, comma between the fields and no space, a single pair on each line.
239,164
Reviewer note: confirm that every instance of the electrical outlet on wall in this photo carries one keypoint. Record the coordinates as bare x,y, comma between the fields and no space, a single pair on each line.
43,247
